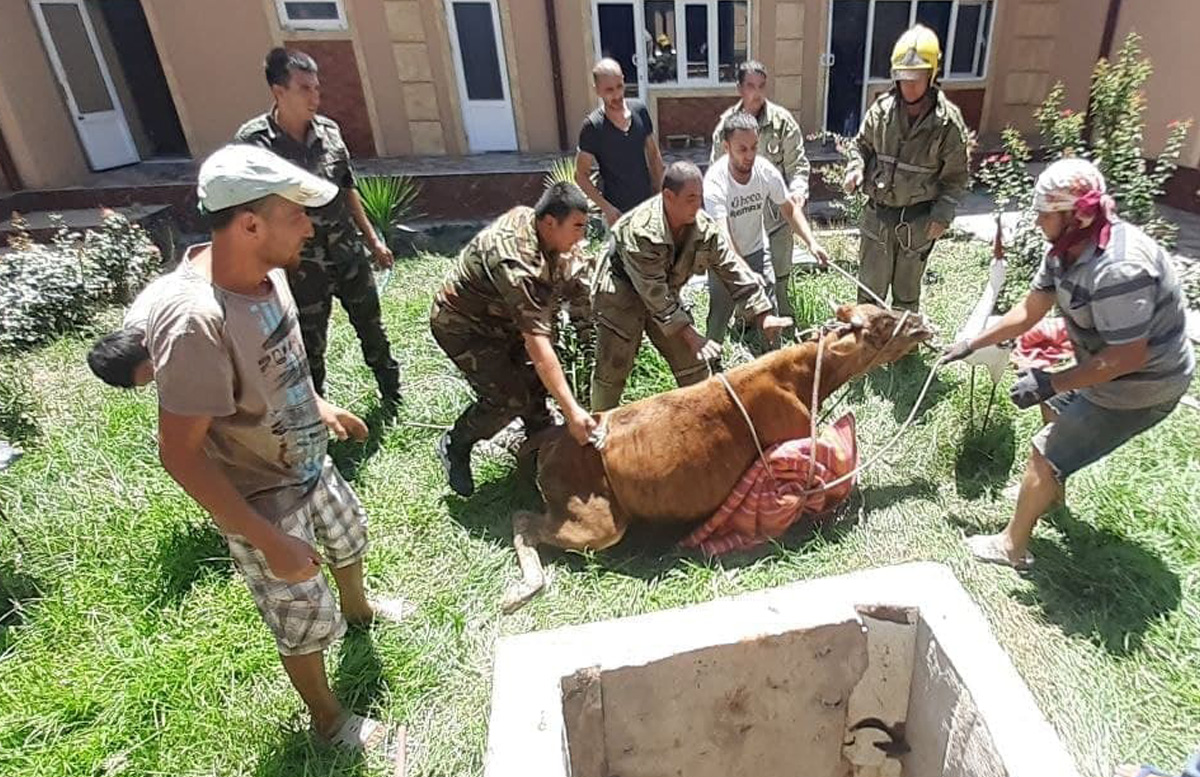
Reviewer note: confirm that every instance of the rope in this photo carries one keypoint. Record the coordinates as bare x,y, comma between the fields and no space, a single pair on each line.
762,456
812,411
903,428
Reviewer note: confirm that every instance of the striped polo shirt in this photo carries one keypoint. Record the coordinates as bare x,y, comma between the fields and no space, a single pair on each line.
1127,292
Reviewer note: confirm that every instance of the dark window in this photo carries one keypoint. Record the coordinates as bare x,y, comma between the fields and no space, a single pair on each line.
697,40
985,30
966,33
733,30
661,67
311,10
617,41
477,47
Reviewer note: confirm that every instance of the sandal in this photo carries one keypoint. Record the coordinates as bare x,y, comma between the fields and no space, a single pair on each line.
1142,771
372,738
987,548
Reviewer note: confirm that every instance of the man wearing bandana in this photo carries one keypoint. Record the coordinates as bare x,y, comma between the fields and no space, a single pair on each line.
1125,315
911,158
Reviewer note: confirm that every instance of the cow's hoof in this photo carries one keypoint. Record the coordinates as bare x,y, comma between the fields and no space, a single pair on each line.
517,596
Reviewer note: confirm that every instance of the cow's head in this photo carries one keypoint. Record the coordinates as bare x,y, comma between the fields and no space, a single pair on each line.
884,335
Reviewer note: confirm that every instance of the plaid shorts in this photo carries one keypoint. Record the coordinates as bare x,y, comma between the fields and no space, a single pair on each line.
305,617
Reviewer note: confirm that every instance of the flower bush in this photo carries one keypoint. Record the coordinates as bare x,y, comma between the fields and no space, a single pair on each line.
1111,136
849,206
48,289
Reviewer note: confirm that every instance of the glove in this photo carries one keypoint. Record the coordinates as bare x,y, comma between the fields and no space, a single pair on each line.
1031,388
960,350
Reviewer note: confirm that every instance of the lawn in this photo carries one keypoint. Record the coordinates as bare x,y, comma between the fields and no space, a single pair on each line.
128,646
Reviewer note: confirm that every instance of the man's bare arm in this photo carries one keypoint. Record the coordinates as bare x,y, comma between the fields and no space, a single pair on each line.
584,162
181,451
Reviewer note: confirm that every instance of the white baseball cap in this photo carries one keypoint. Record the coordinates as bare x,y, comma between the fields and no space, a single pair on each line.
237,174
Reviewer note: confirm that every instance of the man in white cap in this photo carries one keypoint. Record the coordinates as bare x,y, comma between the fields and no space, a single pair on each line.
243,432
1125,315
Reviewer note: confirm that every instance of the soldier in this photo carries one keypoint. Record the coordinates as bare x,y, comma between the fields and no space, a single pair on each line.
912,152
494,319
337,260
657,246
619,138
781,143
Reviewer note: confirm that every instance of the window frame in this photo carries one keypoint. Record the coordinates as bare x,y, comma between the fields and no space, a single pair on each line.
682,79
287,23
947,48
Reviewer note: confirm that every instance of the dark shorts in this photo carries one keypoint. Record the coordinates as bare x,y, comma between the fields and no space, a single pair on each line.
1084,432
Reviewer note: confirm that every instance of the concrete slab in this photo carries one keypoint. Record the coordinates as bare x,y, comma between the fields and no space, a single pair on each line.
992,725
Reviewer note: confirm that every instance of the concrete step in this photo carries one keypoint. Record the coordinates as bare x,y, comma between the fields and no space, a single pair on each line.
42,225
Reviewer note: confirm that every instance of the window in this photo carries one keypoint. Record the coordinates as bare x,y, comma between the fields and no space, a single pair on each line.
733,23
311,14
963,27
687,42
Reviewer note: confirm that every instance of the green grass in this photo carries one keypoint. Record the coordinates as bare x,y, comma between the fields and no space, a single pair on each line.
128,646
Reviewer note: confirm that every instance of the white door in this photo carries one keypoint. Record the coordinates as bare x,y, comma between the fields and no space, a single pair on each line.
482,76
619,30
75,54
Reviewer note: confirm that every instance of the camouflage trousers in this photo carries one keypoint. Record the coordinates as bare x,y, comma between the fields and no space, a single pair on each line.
892,253
500,373
341,269
621,319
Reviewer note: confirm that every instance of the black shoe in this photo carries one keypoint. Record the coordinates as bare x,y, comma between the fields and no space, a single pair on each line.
457,464
389,390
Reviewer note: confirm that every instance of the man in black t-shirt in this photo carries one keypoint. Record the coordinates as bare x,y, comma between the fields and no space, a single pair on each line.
619,137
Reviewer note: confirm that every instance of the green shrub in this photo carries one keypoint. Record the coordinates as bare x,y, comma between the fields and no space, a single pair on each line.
1114,143
17,406
49,289
848,206
389,201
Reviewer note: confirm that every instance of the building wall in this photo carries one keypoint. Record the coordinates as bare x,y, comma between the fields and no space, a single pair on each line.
1171,92
1036,43
212,55
33,113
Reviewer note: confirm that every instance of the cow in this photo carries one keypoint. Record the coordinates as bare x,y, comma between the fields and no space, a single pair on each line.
673,458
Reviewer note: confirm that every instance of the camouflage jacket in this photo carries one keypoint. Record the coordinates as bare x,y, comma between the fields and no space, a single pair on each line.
905,163
323,153
644,253
780,142
504,284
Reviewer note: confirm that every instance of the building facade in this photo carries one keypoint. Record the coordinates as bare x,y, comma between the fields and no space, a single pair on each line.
94,84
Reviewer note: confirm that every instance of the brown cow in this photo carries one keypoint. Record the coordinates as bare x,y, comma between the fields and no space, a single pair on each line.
675,457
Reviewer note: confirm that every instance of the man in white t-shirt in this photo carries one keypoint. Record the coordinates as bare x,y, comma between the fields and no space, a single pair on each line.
737,188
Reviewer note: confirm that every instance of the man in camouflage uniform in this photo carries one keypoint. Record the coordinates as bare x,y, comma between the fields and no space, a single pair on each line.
781,143
911,157
494,318
337,260
657,247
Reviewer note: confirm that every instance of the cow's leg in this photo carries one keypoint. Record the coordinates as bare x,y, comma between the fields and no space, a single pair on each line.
533,577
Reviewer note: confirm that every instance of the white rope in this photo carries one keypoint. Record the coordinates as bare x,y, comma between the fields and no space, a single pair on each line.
762,456
899,433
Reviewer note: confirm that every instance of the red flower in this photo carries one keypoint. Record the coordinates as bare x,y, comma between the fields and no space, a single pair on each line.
1066,112
1005,159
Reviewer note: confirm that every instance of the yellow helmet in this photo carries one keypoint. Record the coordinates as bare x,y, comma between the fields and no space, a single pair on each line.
916,52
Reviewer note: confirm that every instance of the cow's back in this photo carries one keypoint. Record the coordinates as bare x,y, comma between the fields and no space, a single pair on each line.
676,456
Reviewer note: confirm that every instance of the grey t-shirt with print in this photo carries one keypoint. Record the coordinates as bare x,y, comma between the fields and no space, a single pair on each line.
240,360
1126,292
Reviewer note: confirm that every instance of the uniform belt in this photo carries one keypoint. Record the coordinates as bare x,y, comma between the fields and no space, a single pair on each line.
915,210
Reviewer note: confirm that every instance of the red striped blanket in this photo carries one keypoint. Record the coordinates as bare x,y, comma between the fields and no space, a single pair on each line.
762,507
